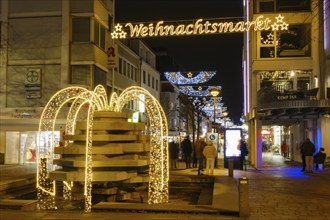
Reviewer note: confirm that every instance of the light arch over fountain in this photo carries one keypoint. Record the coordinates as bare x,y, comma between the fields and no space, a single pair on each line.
97,101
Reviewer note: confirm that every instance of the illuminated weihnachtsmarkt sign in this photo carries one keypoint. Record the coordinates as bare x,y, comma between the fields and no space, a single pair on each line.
197,27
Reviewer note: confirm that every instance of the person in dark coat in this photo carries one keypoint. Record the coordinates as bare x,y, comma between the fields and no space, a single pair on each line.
199,147
307,151
186,146
174,152
244,152
319,158
284,149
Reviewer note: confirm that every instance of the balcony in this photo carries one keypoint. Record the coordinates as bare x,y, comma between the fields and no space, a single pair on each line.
274,103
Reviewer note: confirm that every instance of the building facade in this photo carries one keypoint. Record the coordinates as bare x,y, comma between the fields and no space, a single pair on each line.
287,78
50,45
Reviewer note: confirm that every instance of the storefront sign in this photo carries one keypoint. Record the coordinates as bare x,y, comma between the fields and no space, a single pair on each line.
33,83
197,27
25,113
112,53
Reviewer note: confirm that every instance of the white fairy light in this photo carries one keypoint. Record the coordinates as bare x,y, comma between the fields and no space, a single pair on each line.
97,101
178,78
196,27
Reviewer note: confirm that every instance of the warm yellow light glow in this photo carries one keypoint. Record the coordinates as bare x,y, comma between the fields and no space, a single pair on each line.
214,92
97,101
198,27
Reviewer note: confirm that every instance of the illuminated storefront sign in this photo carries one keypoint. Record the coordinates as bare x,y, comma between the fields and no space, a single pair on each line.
197,27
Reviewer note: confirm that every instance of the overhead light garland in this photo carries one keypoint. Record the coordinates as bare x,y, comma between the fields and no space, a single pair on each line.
178,78
190,91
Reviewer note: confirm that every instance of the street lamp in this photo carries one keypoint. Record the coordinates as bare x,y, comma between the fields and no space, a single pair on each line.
214,93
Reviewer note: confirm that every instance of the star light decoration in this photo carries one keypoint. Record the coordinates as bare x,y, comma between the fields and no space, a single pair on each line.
279,24
178,78
119,32
97,101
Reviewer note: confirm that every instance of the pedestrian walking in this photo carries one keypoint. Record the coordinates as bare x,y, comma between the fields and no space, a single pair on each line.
186,146
174,153
244,152
210,152
307,151
284,149
199,147
319,158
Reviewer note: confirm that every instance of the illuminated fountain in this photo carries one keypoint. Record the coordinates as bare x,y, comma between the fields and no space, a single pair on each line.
88,144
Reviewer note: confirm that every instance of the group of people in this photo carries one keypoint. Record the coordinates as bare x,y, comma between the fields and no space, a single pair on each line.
307,151
204,154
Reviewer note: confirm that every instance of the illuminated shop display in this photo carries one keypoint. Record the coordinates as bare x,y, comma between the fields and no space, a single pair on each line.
197,27
232,142
97,101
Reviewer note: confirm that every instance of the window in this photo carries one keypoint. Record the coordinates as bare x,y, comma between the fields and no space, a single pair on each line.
295,42
153,82
272,6
265,6
293,5
148,79
99,77
129,70
99,34
124,67
80,74
282,81
156,84
120,65
144,76
80,29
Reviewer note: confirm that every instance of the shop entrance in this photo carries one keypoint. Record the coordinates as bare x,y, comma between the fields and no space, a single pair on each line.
21,146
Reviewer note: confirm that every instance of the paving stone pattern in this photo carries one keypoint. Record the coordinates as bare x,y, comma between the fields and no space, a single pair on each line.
278,191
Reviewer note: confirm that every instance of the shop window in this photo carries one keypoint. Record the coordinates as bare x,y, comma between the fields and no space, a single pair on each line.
81,29
80,74
295,42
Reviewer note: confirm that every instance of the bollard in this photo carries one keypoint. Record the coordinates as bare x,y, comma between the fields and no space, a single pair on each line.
243,188
231,167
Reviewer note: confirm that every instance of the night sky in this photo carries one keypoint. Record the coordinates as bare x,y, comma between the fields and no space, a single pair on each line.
221,52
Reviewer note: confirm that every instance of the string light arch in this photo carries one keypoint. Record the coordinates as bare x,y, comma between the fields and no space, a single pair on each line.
97,101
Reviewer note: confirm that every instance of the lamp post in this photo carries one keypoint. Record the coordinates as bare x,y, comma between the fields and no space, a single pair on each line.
214,93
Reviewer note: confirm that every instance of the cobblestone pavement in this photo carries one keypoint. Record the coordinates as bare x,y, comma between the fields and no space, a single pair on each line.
284,192
278,191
